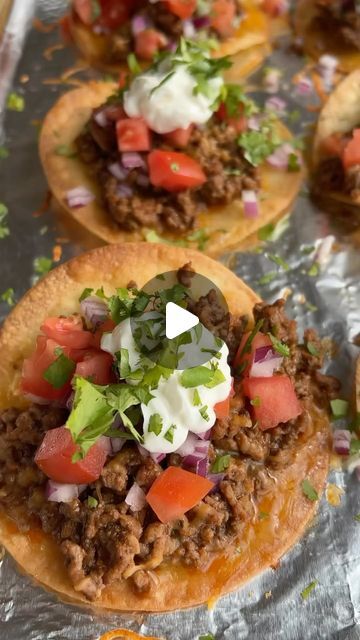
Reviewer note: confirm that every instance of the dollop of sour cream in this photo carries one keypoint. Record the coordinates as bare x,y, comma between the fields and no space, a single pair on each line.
172,401
174,104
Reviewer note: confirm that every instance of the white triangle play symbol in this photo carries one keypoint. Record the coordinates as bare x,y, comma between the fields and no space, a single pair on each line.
178,320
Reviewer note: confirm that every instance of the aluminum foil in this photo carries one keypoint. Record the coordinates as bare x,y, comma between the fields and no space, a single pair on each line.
271,605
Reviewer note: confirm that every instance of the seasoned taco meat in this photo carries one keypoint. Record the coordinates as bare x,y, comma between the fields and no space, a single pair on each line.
102,540
137,204
342,18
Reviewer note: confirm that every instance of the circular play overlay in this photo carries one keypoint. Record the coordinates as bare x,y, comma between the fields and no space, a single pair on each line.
170,316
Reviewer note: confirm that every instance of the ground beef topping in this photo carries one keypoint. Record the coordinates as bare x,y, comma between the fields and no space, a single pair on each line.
137,204
341,18
102,540
331,175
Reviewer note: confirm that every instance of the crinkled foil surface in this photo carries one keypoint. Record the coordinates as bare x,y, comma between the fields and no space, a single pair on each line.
271,605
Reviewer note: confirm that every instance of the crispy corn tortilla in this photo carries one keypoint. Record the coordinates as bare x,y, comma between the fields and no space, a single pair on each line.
317,42
340,114
264,541
226,226
253,33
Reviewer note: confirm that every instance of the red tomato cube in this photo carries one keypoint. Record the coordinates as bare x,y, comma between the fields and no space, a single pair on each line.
274,400
133,134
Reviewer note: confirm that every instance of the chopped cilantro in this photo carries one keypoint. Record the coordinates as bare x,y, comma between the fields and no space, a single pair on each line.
279,261
279,346
259,145
167,77
221,463
4,229
86,293
314,270
357,517
306,592
196,398
309,491
92,502
247,346
133,64
237,102
124,365
266,231
201,237
60,371
8,296
15,102
312,349
66,151
355,424
267,278
196,376
339,408
311,307
42,265
354,446
204,414
155,424
293,162
4,153
256,402
169,435
207,636
307,250
263,515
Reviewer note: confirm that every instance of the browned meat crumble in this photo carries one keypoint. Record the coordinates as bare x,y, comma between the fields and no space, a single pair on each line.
109,542
341,18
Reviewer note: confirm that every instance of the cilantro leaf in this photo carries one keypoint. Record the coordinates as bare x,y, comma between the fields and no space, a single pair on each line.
42,265
279,346
279,261
247,346
339,408
204,414
309,491
60,371
259,145
354,446
196,398
15,102
156,424
306,592
92,502
357,517
196,376
86,293
4,229
208,636
8,296
169,435
267,278
133,64
221,463
314,270
312,349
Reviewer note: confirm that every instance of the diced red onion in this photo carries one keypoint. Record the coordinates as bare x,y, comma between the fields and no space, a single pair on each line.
33,398
276,104
171,46
124,191
280,158
58,492
157,457
327,66
132,160
216,478
142,180
79,197
201,467
265,362
94,310
204,436
119,172
341,441
70,401
188,447
201,22
117,444
136,498
105,443
101,119
189,29
305,86
200,453
138,24
250,201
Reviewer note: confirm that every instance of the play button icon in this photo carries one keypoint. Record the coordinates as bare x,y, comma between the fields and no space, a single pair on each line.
178,320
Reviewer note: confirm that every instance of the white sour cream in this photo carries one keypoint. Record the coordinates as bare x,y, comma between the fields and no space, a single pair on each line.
173,105
173,402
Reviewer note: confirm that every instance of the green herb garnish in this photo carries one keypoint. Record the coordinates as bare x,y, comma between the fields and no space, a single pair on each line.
60,371
306,592
312,349
86,293
4,229
169,435
8,296
15,102
256,402
279,346
339,408
92,502
42,265
133,64
309,491
196,376
357,517
354,446
221,463
314,270
279,261
204,414
196,398
267,278
155,424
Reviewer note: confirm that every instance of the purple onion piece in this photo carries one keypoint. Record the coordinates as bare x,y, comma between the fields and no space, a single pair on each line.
101,119
201,22
136,498
94,310
125,191
132,160
58,492
139,23
118,171
79,197
265,362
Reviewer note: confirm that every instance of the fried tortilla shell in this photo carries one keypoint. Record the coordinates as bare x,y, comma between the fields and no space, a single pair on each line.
340,114
176,586
249,46
318,41
226,226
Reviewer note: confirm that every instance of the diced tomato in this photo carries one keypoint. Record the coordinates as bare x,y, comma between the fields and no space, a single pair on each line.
96,366
259,340
107,326
148,43
179,137
32,380
67,331
222,409
54,455
133,134
84,9
174,171
114,13
273,7
238,122
181,8
222,16
274,400
65,29
123,78
175,491
334,145
351,153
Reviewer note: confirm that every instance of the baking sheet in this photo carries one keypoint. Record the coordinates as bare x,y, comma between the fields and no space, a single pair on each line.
270,606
